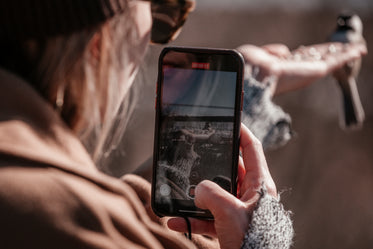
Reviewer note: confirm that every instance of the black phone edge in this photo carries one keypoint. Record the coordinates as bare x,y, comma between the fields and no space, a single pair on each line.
238,110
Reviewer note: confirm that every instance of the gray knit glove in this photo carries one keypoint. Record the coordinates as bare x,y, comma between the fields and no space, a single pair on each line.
267,121
270,227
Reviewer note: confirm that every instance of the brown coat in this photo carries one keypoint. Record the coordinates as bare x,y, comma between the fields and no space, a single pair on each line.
52,195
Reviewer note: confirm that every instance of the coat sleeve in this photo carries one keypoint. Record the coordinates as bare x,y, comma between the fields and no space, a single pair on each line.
48,208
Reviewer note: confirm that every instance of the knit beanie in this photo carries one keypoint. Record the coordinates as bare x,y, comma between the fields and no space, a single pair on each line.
24,19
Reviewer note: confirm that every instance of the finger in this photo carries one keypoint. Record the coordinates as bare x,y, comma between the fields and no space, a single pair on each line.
256,56
240,175
197,226
209,195
252,150
241,170
279,50
363,48
336,47
257,172
334,50
228,211
321,48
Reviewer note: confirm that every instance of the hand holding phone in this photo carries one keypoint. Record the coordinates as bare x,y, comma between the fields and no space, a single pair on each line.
198,110
232,214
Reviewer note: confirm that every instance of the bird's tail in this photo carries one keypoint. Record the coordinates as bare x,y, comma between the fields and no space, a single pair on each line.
353,110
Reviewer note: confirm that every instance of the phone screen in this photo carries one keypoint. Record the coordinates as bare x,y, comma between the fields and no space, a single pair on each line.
198,116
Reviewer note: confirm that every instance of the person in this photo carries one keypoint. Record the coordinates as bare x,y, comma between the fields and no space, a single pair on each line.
65,68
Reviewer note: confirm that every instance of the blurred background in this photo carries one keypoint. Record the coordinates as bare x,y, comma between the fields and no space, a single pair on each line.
326,173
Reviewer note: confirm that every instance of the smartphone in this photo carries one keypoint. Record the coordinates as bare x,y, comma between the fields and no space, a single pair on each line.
198,113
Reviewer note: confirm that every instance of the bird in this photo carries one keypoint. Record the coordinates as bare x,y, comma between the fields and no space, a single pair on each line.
349,30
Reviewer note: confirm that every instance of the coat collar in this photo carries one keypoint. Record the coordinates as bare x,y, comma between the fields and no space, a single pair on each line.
31,130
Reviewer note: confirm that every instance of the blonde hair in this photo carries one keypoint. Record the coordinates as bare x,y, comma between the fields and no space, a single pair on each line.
88,89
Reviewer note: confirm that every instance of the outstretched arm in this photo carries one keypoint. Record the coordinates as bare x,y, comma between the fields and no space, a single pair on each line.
301,67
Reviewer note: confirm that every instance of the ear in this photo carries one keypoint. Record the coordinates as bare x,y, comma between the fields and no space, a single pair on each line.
95,46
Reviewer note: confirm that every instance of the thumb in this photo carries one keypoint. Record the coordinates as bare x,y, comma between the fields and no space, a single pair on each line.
231,219
209,195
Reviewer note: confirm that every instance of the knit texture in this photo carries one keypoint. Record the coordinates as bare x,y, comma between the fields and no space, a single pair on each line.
23,19
271,226
268,122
